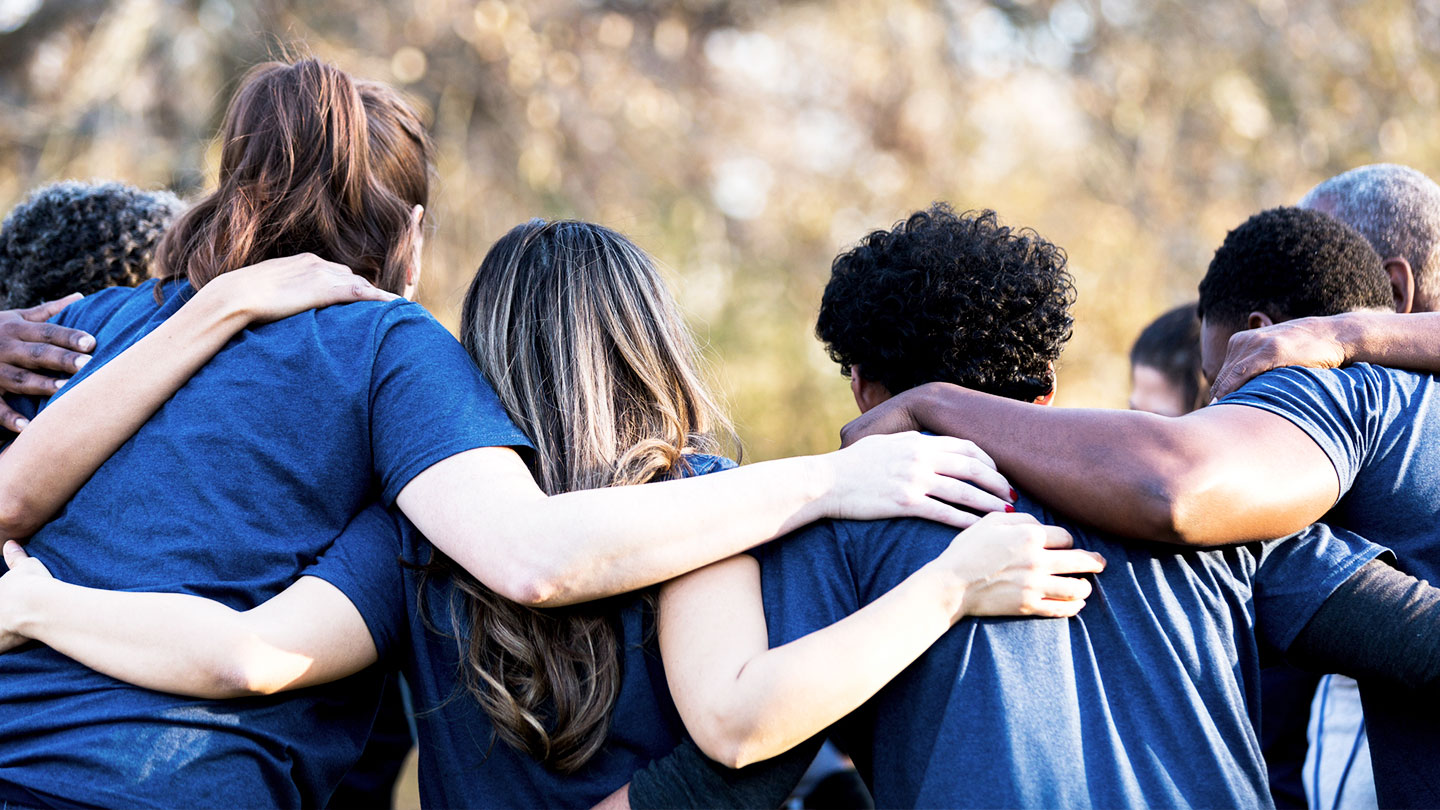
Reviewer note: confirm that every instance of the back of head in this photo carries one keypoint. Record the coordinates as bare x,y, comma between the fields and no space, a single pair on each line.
1396,208
1170,344
80,237
950,297
311,161
1292,263
589,354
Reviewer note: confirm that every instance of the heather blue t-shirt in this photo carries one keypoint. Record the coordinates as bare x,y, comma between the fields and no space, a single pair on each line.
1146,699
231,491
462,762
1380,428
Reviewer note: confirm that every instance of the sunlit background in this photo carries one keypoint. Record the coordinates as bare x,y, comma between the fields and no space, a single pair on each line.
744,143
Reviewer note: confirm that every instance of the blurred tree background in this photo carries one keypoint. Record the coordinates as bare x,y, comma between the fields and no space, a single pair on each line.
744,143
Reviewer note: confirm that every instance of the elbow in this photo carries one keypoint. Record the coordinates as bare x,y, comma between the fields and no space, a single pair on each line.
1172,510
727,739
237,679
17,519
533,587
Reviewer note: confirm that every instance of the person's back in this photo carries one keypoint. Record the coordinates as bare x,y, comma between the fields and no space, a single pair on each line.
1146,698
231,503
243,480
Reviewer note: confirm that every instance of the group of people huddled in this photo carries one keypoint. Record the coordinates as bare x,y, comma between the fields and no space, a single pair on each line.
255,487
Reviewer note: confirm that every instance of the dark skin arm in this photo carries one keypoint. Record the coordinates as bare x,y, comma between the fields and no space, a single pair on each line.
1383,338
1221,475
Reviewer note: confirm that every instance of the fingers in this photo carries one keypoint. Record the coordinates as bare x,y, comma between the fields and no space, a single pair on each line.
49,309
45,346
16,380
51,334
1058,608
1071,561
975,471
11,419
14,554
966,495
963,447
1065,588
1233,375
931,509
1056,537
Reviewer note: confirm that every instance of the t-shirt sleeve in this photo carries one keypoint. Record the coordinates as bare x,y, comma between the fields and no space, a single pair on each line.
428,401
1296,574
1342,410
806,581
364,563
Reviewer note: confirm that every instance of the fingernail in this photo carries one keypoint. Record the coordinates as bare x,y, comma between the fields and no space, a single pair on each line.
1014,496
60,384
1009,508
87,343
81,361
21,424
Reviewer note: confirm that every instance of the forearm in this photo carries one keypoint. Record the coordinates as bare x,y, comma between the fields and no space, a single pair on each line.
44,467
175,643
788,694
589,544
1379,624
1391,339
1209,478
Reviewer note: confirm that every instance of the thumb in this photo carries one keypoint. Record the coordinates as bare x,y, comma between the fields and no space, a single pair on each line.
14,554
49,309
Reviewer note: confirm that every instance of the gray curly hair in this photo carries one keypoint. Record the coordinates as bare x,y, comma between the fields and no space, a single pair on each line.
80,237
1396,209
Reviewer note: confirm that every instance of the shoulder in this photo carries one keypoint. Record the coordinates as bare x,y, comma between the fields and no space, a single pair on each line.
96,309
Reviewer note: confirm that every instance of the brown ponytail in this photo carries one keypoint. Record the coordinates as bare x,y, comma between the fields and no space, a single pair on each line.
311,161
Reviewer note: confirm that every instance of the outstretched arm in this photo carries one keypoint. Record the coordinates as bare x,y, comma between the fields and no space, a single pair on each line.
59,451
308,634
744,702
1382,338
1381,623
1223,474
484,511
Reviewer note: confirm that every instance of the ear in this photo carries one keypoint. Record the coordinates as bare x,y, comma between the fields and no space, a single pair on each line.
868,393
1402,283
1049,398
1258,320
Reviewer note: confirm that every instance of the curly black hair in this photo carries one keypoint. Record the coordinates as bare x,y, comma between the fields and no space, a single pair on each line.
80,237
950,297
1292,263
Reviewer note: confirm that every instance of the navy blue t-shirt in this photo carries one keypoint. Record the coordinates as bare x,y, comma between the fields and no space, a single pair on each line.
1146,699
462,762
231,491
1380,428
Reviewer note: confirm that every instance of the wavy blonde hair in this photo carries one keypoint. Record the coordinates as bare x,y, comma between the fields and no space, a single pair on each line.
587,350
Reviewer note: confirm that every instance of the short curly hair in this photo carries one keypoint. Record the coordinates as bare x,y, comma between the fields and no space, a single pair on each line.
950,297
80,237
1292,263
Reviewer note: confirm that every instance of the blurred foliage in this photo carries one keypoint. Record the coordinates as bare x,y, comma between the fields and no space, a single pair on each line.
744,143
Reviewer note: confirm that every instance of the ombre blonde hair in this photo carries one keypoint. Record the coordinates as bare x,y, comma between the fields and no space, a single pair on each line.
588,352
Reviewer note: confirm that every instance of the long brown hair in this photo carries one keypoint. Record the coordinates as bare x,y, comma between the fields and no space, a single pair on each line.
590,357
310,161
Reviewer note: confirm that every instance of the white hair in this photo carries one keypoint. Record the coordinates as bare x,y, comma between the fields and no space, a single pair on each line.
1396,208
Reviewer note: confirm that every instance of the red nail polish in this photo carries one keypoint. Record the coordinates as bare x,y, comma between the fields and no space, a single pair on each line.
1014,496
1009,508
